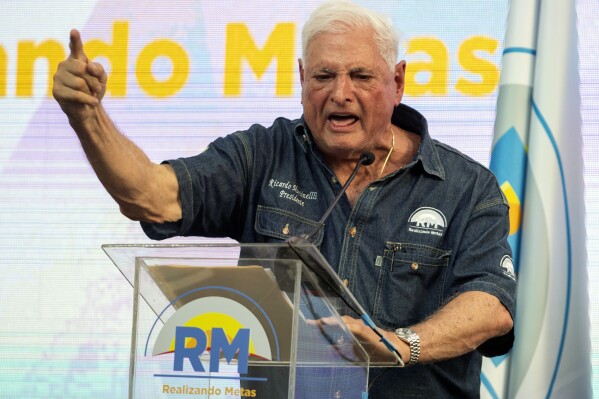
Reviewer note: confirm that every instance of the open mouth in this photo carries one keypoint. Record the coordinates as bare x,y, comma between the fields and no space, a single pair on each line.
342,120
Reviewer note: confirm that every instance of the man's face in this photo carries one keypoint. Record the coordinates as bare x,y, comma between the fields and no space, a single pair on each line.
348,93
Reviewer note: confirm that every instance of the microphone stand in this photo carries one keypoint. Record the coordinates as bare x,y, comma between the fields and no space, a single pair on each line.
365,159
312,258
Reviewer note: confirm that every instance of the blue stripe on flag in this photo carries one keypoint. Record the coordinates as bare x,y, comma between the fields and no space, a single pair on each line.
508,163
485,381
497,360
565,194
525,50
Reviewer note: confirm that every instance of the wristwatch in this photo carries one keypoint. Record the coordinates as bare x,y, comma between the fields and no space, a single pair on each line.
413,340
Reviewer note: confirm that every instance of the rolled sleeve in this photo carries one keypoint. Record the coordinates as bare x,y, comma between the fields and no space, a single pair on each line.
484,259
161,231
212,191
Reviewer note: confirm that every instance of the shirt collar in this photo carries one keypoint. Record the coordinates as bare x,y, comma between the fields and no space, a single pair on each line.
302,133
409,119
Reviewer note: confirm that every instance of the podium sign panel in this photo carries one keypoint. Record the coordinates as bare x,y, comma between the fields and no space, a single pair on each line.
237,321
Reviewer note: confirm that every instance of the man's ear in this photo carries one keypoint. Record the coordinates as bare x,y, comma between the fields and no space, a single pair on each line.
301,70
301,73
400,81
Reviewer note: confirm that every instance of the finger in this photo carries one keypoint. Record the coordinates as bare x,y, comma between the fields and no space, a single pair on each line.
96,77
329,321
96,69
81,85
348,320
73,89
73,77
65,96
76,46
93,83
83,98
74,74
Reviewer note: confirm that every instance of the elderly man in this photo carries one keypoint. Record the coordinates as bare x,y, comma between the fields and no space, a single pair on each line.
419,237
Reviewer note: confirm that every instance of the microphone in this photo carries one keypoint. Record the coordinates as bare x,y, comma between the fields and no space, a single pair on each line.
365,159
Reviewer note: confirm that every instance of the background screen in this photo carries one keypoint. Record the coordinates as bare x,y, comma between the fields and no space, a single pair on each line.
66,309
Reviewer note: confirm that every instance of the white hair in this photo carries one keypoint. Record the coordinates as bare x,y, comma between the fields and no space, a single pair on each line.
343,16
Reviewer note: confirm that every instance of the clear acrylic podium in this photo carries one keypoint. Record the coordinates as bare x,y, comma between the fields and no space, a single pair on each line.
239,320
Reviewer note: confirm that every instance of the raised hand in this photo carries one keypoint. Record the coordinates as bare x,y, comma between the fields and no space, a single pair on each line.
79,85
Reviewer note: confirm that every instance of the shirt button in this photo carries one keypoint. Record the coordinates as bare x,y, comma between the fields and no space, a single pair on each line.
414,266
286,229
333,179
372,188
345,282
353,231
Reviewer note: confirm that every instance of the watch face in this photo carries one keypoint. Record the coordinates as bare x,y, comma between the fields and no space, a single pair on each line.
403,332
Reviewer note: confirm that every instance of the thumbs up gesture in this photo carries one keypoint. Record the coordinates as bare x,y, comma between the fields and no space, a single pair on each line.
79,85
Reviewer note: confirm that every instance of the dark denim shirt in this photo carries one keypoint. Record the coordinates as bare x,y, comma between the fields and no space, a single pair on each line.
413,240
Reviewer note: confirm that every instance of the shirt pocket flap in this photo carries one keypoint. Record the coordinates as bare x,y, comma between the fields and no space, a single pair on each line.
282,224
416,254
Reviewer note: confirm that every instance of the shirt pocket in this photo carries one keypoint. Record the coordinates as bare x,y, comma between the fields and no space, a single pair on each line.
279,225
411,283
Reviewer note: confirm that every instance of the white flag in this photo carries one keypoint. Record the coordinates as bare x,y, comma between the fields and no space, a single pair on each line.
551,354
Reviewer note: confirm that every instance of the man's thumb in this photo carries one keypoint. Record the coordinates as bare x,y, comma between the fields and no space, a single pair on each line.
76,46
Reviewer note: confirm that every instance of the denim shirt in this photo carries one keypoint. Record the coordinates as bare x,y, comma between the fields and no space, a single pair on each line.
413,240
